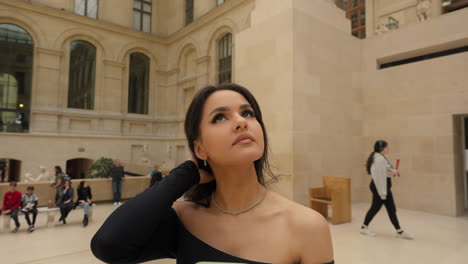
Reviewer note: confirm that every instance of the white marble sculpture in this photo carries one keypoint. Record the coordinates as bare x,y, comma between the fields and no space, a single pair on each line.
43,175
381,28
422,9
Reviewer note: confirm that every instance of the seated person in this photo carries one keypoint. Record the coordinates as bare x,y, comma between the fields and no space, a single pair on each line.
29,205
65,200
84,200
11,205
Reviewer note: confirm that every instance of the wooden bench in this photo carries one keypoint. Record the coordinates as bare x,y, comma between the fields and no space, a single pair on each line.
51,216
336,192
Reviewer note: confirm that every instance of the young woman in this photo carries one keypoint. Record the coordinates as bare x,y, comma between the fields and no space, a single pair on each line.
84,199
65,200
381,170
230,215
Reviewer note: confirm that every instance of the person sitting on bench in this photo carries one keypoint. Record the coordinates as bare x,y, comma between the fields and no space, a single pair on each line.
29,205
11,204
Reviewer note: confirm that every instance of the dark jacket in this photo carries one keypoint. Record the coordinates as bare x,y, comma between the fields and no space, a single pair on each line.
84,193
156,176
117,173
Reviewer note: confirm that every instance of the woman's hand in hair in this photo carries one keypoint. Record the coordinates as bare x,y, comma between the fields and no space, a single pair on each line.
205,176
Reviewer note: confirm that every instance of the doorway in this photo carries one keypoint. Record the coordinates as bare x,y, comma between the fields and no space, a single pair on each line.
460,146
78,168
10,170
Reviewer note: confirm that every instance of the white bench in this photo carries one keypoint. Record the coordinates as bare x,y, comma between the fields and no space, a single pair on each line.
51,212
51,216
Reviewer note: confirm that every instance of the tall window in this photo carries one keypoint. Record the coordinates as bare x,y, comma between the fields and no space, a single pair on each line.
142,15
453,5
188,11
82,75
356,12
225,59
138,84
87,8
16,53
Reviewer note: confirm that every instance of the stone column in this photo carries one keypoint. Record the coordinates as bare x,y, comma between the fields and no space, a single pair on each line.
48,92
114,89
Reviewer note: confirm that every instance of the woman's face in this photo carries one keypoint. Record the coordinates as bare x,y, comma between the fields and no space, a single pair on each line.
67,184
230,133
385,150
85,184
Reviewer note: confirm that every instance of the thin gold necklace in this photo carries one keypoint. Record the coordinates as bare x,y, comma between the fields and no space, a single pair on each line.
241,211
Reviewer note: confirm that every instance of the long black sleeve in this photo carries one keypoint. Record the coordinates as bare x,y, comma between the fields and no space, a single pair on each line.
145,227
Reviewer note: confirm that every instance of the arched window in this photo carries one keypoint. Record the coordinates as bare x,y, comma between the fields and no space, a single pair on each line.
16,53
138,84
225,59
82,75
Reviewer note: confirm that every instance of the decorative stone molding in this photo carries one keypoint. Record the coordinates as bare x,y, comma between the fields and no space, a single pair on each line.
422,9
52,52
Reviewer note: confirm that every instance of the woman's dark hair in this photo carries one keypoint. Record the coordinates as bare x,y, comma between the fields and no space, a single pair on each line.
81,184
378,147
201,193
69,181
58,170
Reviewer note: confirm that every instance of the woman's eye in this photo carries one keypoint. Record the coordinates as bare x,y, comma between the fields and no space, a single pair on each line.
218,118
248,113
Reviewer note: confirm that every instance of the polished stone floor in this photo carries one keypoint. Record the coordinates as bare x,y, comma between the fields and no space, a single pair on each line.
439,240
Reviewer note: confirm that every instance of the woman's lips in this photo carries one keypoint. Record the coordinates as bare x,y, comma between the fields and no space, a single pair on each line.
243,139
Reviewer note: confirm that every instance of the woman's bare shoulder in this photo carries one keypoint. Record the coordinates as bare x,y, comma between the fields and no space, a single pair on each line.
310,230
296,213
182,207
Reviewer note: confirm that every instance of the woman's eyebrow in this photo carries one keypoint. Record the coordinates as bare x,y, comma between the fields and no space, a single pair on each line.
225,108
219,109
245,106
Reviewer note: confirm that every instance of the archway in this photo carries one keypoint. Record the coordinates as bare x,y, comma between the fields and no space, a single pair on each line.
78,168
10,170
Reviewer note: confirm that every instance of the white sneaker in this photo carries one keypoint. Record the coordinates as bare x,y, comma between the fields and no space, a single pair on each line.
405,235
115,203
119,203
367,232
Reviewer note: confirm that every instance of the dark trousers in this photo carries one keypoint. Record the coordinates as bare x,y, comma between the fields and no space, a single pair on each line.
14,215
377,203
117,187
65,210
34,215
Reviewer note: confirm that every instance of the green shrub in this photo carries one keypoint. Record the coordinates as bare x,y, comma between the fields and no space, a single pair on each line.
100,168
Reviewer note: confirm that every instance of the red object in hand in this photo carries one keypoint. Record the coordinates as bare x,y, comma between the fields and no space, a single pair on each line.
397,164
